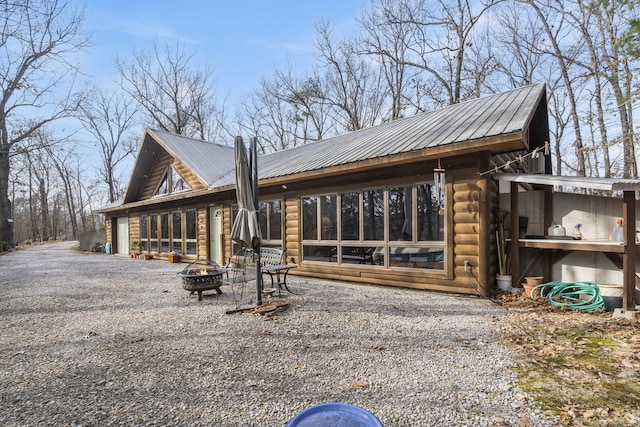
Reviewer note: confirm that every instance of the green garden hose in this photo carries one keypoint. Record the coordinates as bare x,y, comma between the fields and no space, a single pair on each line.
571,294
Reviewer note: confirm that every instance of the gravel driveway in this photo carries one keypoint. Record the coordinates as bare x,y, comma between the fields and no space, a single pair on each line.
92,339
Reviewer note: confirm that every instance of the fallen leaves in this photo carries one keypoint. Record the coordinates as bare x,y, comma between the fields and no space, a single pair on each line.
585,364
362,384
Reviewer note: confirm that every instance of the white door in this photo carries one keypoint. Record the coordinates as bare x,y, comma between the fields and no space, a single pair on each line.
123,236
215,235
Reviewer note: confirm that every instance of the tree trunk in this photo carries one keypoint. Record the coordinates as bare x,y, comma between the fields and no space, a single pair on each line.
6,230
44,207
568,83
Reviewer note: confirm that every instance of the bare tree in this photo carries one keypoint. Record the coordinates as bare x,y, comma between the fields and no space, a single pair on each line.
109,118
64,163
352,86
387,41
39,171
580,16
285,111
175,95
518,33
552,17
440,34
619,76
37,44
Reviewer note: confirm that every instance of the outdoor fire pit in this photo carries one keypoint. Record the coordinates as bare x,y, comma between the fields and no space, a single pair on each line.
202,275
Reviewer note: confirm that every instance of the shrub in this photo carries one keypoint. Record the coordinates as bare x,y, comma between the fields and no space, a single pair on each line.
4,246
27,242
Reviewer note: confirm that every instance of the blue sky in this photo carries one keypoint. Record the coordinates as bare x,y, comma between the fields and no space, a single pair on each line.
241,40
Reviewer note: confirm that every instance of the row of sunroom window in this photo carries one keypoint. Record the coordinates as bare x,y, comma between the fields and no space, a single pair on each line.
399,226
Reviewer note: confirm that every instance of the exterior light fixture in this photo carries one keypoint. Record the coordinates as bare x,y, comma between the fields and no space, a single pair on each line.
439,181
9,221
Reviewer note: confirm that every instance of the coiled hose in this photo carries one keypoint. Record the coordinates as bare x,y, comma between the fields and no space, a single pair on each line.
571,294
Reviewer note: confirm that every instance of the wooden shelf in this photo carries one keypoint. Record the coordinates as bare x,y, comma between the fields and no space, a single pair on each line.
574,245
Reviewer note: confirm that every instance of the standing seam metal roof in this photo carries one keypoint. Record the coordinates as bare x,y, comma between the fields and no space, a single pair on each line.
208,160
476,119
494,115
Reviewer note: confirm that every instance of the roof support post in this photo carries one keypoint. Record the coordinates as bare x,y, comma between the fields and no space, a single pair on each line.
484,260
515,235
629,255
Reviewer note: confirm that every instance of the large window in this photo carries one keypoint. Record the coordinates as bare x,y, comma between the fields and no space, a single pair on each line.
397,226
164,233
270,220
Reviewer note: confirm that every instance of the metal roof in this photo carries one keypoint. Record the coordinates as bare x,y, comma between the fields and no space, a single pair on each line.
609,184
495,115
502,114
208,160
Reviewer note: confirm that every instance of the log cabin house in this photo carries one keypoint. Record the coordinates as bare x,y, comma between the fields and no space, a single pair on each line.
361,207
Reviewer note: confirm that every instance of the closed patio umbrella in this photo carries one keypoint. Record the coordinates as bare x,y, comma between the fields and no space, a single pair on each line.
246,228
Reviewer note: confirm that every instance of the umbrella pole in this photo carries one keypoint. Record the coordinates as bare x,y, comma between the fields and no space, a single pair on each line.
253,156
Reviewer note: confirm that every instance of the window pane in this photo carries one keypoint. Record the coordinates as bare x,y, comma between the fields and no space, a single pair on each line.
362,255
350,216
262,219
164,226
191,248
190,223
275,221
430,222
153,233
177,225
153,226
404,256
176,242
309,218
320,253
144,234
162,189
143,228
329,214
177,183
164,232
400,214
373,214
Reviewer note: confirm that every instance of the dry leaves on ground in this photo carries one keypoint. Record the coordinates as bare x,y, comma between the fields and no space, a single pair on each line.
581,366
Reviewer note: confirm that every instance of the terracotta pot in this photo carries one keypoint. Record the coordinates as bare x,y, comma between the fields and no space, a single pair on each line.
534,280
528,288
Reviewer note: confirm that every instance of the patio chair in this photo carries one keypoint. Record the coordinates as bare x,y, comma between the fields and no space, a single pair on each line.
240,272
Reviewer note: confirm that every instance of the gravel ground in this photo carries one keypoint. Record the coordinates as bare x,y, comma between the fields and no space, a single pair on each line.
93,339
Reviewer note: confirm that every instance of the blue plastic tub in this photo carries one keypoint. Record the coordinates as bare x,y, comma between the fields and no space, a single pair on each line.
334,415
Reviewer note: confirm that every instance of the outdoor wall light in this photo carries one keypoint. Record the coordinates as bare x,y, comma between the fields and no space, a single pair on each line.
439,181
9,221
